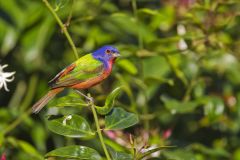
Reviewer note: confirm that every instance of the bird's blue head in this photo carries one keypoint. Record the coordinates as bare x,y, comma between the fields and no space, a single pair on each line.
106,54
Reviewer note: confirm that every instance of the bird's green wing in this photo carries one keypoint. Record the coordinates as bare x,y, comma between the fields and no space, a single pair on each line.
83,69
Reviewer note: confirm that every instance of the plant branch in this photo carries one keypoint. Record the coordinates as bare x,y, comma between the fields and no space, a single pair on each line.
16,122
99,131
30,93
63,27
140,38
179,74
26,101
70,14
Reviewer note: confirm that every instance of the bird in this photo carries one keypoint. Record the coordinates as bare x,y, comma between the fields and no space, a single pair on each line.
86,72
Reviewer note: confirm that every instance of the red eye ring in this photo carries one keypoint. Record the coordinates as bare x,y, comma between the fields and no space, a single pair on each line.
107,51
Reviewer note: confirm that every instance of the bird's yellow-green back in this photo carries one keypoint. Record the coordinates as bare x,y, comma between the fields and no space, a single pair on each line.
85,68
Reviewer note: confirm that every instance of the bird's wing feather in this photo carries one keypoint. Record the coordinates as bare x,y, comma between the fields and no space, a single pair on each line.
65,71
83,69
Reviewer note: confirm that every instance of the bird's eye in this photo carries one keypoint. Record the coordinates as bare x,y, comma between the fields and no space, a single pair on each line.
107,51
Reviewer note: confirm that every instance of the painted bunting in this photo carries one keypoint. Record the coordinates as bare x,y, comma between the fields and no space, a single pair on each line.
84,73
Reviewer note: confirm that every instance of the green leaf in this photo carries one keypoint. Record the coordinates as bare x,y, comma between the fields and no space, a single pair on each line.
157,62
109,102
72,100
180,154
164,19
9,41
25,147
214,107
175,106
128,66
236,154
145,154
39,136
74,152
1,138
70,126
119,155
60,4
29,149
214,152
125,23
31,51
120,119
148,11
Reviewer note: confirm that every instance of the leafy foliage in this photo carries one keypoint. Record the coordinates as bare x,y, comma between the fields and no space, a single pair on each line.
70,126
74,152
120,119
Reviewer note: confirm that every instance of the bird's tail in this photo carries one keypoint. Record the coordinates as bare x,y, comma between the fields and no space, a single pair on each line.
45,99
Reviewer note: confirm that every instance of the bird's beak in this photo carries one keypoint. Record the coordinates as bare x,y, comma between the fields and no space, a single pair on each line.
116,54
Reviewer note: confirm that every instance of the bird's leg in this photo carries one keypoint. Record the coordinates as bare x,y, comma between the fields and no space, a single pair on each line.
79,92
88,97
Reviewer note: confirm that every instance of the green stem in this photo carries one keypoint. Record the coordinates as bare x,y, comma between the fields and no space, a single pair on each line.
30,93
15,123
140,39
180,75
63,27
99,131
27,100
129,92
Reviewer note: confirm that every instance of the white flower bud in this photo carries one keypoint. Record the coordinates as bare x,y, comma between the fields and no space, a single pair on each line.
181,30
182,45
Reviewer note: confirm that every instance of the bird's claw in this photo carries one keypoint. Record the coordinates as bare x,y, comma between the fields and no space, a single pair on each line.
90,99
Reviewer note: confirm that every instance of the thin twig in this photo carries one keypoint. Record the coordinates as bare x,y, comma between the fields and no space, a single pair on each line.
99,130
63,28
140,38
16,122
180,75
70,15
30,93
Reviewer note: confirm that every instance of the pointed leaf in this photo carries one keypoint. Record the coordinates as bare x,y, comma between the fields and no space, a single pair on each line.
148,11
119,155
158,62
179,154
120,119
145,154
9,41
214,152
109,102
25,147
175,106
128,66
74,152
70,126
71,100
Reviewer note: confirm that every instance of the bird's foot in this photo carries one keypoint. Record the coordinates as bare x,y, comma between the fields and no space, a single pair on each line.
88,97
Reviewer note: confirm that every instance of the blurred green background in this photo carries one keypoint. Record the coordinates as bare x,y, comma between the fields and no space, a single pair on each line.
180,71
